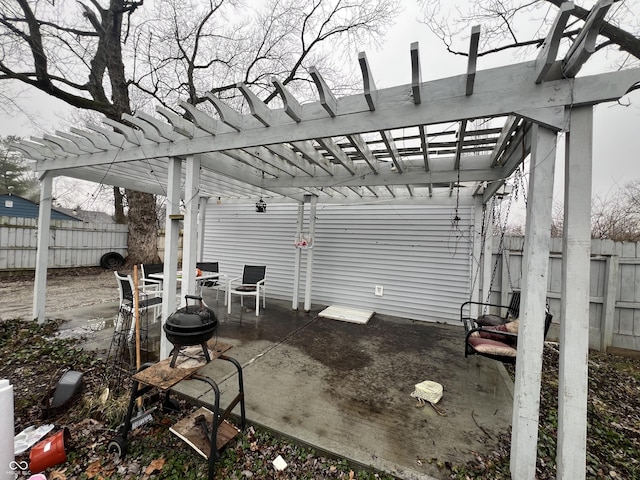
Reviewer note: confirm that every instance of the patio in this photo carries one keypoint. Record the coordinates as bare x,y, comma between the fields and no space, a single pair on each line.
344,388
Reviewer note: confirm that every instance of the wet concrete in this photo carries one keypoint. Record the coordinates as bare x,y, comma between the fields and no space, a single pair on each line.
345,388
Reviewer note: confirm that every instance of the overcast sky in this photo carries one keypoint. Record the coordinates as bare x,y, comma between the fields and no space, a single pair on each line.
616,128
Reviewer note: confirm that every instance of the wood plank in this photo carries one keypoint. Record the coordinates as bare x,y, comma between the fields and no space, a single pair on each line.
188,431
162,376
291,105
416,74
549,50
327,98
473,59
584,44
369,85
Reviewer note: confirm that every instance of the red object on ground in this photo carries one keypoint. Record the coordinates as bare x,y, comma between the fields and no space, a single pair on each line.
50,451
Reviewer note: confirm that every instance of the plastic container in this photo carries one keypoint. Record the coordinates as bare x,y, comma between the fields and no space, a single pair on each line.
50,451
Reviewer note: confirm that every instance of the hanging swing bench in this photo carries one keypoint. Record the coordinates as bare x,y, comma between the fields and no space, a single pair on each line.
495,336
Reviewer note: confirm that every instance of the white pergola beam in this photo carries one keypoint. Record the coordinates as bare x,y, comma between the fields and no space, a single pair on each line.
584,44
549,51
497,92
473,59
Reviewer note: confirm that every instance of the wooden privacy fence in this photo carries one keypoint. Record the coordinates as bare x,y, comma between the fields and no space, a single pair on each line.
73,244
614,308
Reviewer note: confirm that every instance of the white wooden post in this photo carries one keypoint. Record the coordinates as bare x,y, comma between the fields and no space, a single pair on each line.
298,257
190,238
171,238
42,252
312,234
574,329
202,214
526,401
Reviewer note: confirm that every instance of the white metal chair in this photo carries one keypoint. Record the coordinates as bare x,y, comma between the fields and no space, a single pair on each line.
253,284
217,283
126,311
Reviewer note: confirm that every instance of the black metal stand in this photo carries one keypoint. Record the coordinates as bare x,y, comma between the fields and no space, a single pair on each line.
119,443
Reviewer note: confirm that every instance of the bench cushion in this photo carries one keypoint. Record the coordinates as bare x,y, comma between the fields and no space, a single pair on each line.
492,347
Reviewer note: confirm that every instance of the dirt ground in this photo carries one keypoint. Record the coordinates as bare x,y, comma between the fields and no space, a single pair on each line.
69,288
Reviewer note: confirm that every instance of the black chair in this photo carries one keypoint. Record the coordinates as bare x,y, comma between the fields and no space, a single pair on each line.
217,283
127,308
147,283
253,284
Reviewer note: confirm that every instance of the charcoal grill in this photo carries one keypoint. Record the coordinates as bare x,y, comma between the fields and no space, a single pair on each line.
191,325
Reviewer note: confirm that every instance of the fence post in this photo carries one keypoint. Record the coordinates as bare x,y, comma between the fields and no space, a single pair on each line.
612,269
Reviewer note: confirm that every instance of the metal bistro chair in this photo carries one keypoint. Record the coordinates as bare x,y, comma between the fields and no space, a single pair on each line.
217,283
253,283
147,284
126,310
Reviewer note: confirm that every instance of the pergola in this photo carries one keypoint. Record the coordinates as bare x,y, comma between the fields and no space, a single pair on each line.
461,136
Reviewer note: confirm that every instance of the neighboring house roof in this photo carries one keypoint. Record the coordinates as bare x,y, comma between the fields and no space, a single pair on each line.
88,215
16,206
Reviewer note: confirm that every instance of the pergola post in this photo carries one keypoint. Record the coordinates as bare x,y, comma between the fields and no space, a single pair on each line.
190,238
202,211
526,402
298,258
312,232
42,252
172,237
574,328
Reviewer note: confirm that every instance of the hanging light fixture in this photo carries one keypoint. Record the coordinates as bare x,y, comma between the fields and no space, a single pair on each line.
261,205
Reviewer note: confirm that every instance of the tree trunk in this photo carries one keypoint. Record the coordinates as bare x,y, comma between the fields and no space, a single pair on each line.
143,229
118,204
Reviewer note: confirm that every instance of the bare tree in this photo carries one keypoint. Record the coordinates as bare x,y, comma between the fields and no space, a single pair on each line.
617,216
511,24
120,56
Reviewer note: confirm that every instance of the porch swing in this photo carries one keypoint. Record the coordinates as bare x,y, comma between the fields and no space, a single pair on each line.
491,335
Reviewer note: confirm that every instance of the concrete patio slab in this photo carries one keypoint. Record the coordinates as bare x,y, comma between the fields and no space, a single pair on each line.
345,388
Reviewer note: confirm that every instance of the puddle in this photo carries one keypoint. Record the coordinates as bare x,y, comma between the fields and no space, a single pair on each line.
94,325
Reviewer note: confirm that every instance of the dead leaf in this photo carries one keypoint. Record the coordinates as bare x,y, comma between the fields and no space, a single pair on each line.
351,475
93,469
58,475
155,466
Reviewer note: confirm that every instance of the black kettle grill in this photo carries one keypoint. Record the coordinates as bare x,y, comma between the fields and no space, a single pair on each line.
191,325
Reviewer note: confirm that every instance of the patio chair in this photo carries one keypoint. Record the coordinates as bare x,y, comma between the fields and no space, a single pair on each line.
252,284
217,283
146,283
126,312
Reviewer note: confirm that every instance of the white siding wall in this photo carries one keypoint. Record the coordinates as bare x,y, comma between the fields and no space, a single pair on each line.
412,251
